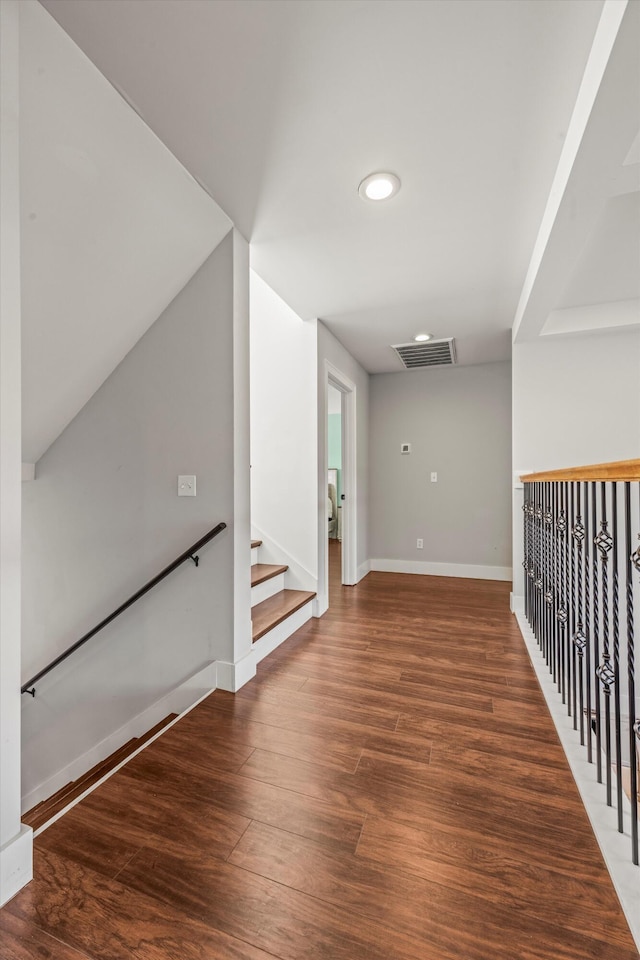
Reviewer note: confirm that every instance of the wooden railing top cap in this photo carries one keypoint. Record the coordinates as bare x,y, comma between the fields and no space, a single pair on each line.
619,470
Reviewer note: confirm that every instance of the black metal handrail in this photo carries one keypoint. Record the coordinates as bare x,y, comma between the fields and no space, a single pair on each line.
189,554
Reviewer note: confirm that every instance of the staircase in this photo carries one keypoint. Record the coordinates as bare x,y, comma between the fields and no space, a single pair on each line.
43,812
276,612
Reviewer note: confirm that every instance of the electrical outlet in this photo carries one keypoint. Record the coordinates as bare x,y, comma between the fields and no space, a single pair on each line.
187,486
420,543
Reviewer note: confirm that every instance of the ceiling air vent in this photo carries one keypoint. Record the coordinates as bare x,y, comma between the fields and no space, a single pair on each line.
434,353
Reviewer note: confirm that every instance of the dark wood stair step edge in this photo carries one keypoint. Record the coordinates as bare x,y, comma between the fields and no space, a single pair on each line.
256,543
265,571
272,611
48,808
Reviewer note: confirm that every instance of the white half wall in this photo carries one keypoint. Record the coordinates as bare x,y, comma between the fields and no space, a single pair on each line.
15,842
575,402
103,517
457,421
284,438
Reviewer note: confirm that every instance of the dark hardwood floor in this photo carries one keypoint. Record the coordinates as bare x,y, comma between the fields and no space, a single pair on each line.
389,787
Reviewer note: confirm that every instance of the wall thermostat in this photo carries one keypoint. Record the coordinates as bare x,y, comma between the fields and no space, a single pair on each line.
405,448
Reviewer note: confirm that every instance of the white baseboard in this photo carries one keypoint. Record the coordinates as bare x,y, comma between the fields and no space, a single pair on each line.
363,570
16,864
186,695
615,847
233,676
267,644
319,605
467,571
516,603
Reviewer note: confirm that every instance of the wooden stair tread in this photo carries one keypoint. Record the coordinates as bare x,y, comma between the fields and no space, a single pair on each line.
272,611
264,571
256,543
48,808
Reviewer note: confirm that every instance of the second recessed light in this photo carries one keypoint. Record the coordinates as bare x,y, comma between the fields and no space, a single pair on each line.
379,186
421,337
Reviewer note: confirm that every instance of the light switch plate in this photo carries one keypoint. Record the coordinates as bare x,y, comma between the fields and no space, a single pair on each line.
434,477
186,486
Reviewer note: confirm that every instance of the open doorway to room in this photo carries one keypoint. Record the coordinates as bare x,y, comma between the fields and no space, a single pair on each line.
334,487
337,452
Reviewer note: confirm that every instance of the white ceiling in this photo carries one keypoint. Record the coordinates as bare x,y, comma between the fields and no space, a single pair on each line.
281,108
112,227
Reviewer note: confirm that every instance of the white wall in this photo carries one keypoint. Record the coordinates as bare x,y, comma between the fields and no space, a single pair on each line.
15,845
110,218
284,439
575,402
330,349
103,517
457,420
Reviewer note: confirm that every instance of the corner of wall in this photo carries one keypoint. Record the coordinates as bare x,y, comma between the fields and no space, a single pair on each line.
16,864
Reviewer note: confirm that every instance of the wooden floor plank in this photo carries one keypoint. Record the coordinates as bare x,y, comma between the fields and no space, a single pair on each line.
389,787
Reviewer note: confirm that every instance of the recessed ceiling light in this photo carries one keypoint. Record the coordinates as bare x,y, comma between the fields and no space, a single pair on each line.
421,337
379,186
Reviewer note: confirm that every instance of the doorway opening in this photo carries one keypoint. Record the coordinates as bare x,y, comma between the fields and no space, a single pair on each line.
337,527
334,488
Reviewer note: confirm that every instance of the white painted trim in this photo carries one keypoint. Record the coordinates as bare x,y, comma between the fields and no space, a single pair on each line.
348,389
179,700
15,840
28,472
615,847
262,591
267,644
255,551
363,570
467,571
516,603
343,383
241,451
233,676
319,606
598,317
16,864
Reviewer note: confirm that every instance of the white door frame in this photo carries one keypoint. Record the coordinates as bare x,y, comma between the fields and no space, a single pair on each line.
332,375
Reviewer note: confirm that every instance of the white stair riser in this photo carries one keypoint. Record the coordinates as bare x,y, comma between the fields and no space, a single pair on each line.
267,644
254,555
267,589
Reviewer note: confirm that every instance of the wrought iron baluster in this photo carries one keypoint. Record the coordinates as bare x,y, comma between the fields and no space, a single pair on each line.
616,654
604,670
587,624
579,637
539,573
548,574
632,561
561,606
596,629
